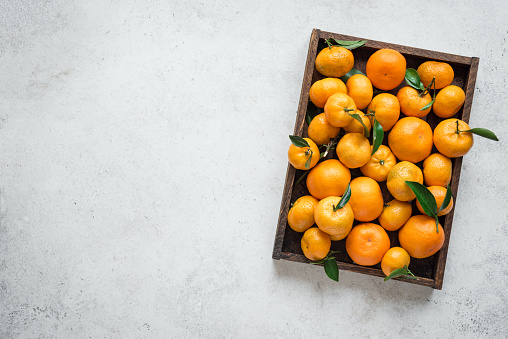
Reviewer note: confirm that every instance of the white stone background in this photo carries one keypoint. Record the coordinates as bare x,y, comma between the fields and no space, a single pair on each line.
142,162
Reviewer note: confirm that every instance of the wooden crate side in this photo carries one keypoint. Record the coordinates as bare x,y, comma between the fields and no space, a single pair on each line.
423,53
300,120
356,268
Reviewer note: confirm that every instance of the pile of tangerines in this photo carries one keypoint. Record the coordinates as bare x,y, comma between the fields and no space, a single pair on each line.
353,115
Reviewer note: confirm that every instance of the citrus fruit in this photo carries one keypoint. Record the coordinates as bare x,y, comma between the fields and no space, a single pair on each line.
449,141
334,237
386,68
360,89
411,139
320,130
328,178
337,109
366,199
386,109
298,156
419,238
448,101
334,61
394,258
411,102
439,193
395,214
315,244
442,71
355,126
301,214
337,222
353,150
322,89
367,243
437,170
380,164
397,177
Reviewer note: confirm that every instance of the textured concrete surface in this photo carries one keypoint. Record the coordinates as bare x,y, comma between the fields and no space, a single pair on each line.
142,160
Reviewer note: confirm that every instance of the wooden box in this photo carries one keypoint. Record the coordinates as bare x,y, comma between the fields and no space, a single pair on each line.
430,271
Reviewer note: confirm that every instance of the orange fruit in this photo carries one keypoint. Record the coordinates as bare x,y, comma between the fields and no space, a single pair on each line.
439,193
367,243
386,68
355,126
315,244
339,222
298,156
366,199
337,109
360,89
380,164
301,214
335,61
442,71
411,102
322,89
334,237
397,177
386,109
437,170
448,101
328,178
353,150
419,238
394,258
320,130
411,139
451,143
395,214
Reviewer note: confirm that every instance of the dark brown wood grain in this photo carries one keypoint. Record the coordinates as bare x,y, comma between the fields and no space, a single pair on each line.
300,120
430,271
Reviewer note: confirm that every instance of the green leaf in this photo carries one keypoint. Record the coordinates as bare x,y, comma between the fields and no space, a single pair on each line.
298,141
349,74
307,163
428,105
311,113
378,136
425,198
483,132
331,268
349,44
345,198
401,272
358,118
413,79
346,42
447,198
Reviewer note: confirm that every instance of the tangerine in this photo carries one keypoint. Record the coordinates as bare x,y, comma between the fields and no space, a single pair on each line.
328,178
334,61
322,89
419,238
301,214
386,68
298,156
411,139
367,243
450,138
